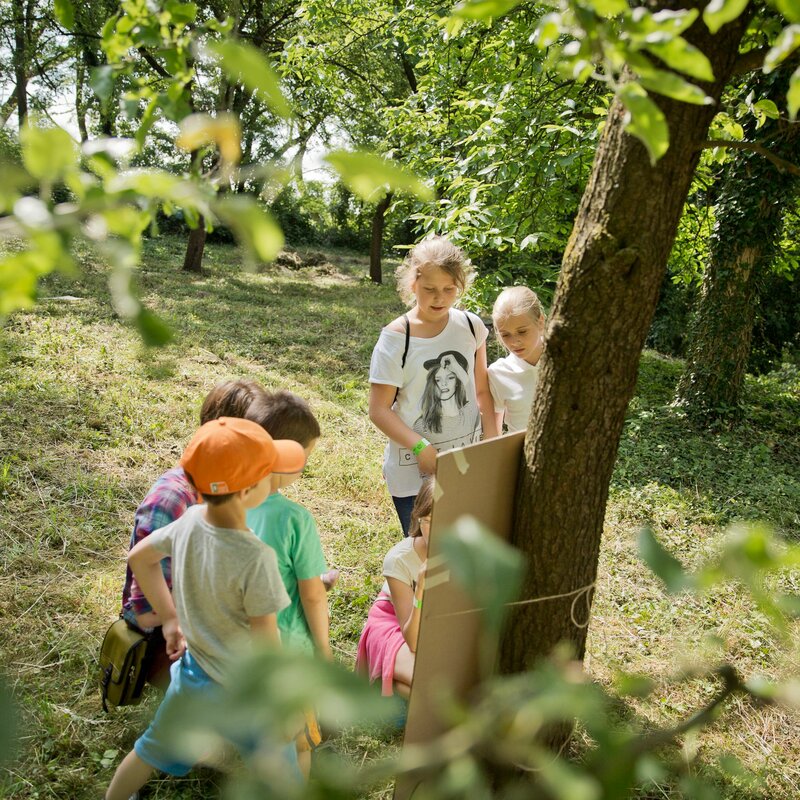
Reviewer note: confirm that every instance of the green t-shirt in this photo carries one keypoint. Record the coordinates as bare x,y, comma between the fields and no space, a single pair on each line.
290,530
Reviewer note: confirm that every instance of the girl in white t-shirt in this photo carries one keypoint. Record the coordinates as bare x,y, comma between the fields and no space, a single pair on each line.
429,390
519,322
388,643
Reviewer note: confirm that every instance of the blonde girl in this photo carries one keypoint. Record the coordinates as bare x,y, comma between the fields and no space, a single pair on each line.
388,643
430,280
519,322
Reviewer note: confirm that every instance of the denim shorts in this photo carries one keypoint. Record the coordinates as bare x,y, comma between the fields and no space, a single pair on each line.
160,745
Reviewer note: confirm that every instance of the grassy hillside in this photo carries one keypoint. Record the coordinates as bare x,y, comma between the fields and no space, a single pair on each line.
89,418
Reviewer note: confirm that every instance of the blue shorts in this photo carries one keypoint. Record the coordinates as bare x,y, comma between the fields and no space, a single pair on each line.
160,745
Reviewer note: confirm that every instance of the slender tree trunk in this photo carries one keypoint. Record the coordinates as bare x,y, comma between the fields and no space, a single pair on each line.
80,102
605,299
20,59
376,245
747,232
193,260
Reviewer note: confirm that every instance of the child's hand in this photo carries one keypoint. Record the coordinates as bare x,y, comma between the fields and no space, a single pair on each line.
427,460
173,636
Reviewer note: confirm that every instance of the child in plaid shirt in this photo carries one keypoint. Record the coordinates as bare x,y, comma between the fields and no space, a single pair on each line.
166,501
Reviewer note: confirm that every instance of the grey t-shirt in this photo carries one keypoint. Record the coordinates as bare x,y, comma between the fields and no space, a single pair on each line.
220,578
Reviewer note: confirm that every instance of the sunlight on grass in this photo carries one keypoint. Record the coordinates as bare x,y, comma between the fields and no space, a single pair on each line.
91,417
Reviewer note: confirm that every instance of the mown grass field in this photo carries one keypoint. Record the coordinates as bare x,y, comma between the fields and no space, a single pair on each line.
89,418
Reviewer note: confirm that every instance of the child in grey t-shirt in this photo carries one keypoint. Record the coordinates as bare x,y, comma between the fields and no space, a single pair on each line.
226,581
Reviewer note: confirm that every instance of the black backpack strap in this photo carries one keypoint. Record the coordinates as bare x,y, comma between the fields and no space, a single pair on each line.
471,327
405,352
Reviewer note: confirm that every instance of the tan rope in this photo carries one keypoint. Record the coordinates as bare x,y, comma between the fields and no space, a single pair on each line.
584,592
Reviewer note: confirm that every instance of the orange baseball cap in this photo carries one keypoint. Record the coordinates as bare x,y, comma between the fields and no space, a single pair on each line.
228,454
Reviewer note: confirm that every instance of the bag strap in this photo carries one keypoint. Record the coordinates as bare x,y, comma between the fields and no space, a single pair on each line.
405,352
104,686
471,326
408,339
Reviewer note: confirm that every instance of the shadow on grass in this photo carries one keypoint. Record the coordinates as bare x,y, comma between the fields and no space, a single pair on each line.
751,471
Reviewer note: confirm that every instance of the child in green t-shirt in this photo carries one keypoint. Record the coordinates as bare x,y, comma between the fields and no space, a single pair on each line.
289,529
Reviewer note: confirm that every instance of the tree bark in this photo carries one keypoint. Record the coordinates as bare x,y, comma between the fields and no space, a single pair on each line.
193,260
20,58
606,295
376,244
747,231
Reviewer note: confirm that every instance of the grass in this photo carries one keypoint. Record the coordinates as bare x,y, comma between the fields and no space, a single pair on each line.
90,417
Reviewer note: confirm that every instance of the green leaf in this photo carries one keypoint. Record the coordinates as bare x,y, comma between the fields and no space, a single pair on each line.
101,81
19,275
65,13
609,8
787,42
633,685
264,701
662,562
254,227
483,9
370,176
789,8
485,566
247,65
547,31
720,12
793,94
181,13
671,85
48,153
678,54
645,120
767,108
154,331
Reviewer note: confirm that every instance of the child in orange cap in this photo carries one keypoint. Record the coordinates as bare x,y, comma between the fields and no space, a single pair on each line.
214,554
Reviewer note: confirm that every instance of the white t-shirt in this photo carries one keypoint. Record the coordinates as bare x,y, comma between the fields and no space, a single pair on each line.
403,563
437,395
512,382
220,578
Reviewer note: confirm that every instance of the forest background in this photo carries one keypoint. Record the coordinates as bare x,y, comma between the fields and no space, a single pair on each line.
503,122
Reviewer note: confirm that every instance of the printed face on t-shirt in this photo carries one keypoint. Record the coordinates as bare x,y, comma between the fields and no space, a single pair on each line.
446,382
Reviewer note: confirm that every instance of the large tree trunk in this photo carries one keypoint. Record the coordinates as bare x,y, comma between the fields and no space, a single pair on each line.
376,245
749,218
604,302
193,261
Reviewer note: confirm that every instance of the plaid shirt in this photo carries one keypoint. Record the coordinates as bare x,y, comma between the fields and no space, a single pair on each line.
167,499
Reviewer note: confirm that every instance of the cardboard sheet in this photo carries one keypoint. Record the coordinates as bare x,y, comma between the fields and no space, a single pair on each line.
479,480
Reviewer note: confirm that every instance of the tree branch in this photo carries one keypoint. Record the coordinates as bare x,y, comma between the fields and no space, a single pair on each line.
153,63
781,163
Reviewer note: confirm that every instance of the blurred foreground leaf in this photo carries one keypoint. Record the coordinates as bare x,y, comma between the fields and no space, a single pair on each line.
486,567
370,176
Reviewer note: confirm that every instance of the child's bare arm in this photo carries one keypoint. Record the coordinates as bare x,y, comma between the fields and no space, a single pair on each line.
314,600
145,563
498,419
407,604
266,627
381,398
485,400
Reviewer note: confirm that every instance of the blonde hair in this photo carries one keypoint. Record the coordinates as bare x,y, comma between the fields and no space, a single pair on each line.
516,300
435,252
